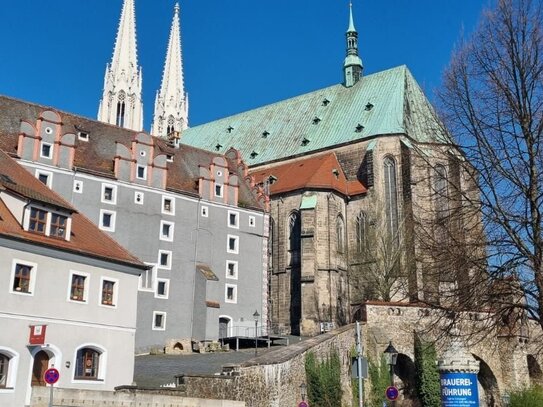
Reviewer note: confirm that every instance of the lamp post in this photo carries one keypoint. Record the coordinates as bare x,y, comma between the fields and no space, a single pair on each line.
303,391
391,355
255,316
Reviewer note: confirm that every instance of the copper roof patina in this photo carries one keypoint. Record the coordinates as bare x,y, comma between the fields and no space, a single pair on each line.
387,102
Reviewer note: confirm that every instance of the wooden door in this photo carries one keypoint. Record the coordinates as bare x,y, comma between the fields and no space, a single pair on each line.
41,364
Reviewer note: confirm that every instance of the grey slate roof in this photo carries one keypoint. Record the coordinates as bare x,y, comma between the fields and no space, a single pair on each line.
325,118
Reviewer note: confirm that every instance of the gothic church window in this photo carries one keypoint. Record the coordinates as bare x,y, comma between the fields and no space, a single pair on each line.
361,232
121,106
295,233
442,193
391,196
340,233
170,129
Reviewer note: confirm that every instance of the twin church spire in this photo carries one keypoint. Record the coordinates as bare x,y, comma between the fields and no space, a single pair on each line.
121,102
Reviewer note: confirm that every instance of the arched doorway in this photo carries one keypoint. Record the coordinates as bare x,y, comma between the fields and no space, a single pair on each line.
534,371
41,364
405,371
488,385
223,327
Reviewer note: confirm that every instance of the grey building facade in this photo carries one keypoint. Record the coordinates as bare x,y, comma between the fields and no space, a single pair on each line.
196,217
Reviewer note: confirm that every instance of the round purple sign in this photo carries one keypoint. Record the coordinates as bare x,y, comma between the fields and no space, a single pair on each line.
51,376
392,393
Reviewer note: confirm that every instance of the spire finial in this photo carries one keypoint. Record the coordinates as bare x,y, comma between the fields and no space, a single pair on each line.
176,8
352,66
351,21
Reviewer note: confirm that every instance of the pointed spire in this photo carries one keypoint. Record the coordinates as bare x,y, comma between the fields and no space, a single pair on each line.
121,103
171,105
352,66
351,22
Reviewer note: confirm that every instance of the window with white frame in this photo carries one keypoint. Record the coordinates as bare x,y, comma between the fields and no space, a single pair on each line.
110,289
109,193
166,230
78,289
46,150
162,288
165,259
8,365
233,219
23,277
232,244
37,221
231,293
218,190
83,136
148,278
252,221
141,172
58,225
45,177
107,220
87,364
168,205
43,222
138,197
78,186
232,269
204,211
159,321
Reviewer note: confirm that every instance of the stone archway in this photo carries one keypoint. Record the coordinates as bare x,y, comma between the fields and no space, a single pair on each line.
488,385
406,373
534,371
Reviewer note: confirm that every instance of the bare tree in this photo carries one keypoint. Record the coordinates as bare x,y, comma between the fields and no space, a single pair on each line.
492,103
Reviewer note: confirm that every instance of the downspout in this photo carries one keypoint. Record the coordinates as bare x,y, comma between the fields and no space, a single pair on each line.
198,208
329,262
348,260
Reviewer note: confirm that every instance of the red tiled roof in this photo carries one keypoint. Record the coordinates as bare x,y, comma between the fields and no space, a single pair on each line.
97,155
320,172
86,239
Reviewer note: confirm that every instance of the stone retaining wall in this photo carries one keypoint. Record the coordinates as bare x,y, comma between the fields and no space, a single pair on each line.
124,398
273,379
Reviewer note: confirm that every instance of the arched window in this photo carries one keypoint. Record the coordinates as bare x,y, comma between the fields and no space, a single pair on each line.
391,196
87,364
442,193
361,232
121,106
170,129
340,233
4,367
295,232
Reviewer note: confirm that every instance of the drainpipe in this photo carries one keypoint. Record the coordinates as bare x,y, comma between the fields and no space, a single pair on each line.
329,261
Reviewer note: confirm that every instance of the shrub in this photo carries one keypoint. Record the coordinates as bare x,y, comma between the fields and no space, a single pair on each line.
532,397
323,380
427,375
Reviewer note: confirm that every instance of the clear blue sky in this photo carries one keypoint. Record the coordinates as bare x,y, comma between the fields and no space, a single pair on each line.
238,54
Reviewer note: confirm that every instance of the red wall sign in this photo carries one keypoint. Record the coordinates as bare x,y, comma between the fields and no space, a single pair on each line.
37,334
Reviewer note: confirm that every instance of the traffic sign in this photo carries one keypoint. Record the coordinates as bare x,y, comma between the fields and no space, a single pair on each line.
51,376
303,404
392,393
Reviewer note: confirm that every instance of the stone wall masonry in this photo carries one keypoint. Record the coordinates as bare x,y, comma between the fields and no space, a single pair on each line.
129,397
273,379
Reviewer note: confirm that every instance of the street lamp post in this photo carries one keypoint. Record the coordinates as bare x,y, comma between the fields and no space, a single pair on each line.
303,391
255,316
391,355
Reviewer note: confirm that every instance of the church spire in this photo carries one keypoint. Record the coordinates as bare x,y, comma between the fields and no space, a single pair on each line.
171,104
121,103
352,67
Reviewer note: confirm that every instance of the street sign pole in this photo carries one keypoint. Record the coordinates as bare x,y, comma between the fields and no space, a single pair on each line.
359,363
51,376
51,387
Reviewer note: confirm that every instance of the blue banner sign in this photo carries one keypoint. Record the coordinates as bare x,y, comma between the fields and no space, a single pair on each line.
459,390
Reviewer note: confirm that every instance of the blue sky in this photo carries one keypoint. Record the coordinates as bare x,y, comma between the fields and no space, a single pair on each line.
238,54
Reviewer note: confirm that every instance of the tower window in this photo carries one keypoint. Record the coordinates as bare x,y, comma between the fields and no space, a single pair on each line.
120,114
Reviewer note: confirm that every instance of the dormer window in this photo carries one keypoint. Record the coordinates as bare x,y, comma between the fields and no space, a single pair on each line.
305,141
369,106
229,129
325,102
359,128
46,150
38,221
141,172
48,223
83,136
316,120
253,154
218,146
265,134
59,224
169,158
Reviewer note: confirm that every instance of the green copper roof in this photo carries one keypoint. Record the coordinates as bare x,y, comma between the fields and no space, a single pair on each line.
387,102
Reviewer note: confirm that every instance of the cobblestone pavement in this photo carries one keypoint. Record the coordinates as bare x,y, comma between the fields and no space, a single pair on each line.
155,370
